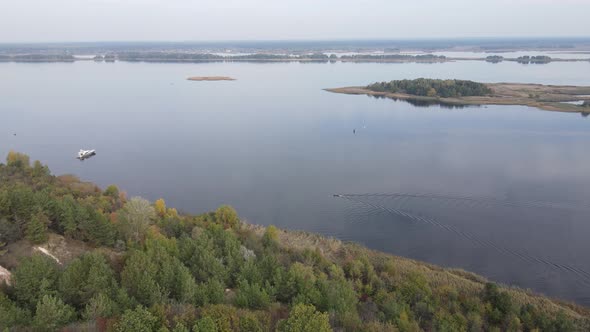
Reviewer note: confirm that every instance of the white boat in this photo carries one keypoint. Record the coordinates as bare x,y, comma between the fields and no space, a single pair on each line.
84,154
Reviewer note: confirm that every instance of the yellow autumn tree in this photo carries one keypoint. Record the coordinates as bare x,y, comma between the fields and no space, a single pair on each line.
172,213
160,206
17,159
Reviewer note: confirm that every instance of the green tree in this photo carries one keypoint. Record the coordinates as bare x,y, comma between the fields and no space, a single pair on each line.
39,170
225,317
205,324
100,306
252,296
139,319
86,277
96,228
52,313
67,215
35,277
304,318
37,228
139,278
11,315
112,191
227,216
250,323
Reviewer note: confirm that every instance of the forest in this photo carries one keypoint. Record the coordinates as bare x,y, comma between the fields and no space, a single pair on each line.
135,265
432,87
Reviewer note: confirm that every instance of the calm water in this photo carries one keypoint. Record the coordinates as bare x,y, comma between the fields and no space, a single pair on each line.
277,147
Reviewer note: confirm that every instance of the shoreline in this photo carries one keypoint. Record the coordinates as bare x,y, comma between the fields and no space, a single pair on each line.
324,60
544,97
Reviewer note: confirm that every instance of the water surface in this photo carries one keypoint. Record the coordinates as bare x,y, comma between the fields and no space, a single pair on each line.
277,147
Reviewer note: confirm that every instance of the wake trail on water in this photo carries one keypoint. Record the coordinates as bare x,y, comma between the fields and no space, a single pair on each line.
371,209
472,201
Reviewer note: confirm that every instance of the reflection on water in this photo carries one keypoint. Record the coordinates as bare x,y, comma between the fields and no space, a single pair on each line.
425,103
277,147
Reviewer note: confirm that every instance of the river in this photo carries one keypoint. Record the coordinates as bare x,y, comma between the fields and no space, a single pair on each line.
499,190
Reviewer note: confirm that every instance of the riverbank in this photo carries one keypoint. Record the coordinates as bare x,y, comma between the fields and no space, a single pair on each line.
546,97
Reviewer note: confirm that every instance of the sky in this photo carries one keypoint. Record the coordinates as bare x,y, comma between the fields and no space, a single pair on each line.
208,20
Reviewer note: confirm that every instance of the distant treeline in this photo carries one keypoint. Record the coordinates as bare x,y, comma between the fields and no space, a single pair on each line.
522,59
433,87
395,57
494,58
172,56
164,56
38,58
534,59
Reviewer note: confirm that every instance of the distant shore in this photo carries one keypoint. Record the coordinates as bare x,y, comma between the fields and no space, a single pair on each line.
545,97
211,78
200,58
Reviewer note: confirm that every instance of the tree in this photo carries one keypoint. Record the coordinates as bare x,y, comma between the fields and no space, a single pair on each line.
304,318
250,323
270,237
96,228
252,296
205,324
135,218
67,215
139,319
37,228
225,317
18,160
227,216
52,313
100,306
338,296
39,170
85,278
11,315
139,278
112,191
35,277
160,207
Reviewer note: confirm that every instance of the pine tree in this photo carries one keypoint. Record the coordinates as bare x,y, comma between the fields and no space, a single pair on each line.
52,313
37,228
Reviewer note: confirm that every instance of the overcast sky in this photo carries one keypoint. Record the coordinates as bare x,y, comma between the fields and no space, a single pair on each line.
199,20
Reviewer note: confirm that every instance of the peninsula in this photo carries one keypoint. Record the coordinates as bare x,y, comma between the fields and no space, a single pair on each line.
211,78
559,98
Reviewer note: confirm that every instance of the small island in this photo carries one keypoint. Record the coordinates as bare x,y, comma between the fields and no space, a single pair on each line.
461,92
211,78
